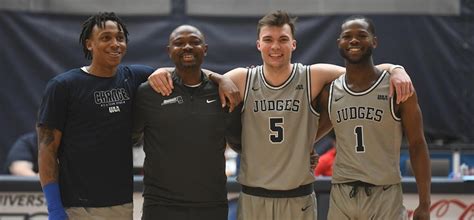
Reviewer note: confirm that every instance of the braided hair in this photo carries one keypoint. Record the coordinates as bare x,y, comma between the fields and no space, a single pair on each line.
99,19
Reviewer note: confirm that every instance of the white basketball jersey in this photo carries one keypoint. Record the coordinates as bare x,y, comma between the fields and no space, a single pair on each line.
368,133
279,127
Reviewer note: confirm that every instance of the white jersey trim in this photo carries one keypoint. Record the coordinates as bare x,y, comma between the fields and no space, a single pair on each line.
308,82
247,86
392,110
330,99
287,81
348,90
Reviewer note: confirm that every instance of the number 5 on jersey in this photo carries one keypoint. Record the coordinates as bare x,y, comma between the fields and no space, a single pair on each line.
276,130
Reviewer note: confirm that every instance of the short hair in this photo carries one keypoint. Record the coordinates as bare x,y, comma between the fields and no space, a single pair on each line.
192,28
99,19
369,21
277,18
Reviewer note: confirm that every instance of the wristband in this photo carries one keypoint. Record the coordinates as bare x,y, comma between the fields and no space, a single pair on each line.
53,198
390,70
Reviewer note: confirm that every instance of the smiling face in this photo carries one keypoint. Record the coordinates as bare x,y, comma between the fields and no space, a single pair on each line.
187,47
356,42
107,45
276,45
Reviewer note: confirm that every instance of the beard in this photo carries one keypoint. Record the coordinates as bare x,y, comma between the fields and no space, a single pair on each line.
365,56
189,64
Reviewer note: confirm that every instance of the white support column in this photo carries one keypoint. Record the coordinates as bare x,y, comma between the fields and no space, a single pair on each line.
456,163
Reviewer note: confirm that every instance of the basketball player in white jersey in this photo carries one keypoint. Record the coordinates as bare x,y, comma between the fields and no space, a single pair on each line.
279,124
369,125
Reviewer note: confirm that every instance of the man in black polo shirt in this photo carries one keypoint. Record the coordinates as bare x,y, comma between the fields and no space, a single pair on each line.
185,136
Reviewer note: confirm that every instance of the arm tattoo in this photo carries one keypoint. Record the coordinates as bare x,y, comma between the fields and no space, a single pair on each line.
45,135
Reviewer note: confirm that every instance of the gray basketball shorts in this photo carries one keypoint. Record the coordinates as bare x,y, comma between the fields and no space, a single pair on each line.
366,202
266,208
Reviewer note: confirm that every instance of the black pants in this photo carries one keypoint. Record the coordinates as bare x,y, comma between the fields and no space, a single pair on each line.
163,212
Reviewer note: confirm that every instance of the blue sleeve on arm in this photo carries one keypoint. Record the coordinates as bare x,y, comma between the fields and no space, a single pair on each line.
53,198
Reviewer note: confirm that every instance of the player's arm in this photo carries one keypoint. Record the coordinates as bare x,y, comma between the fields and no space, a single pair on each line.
313,160
161,82
322,73
238,77
321,104
48,145
412,121
228,91
399,81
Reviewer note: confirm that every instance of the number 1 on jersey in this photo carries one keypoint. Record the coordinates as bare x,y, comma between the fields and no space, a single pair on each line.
358,131
276,130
